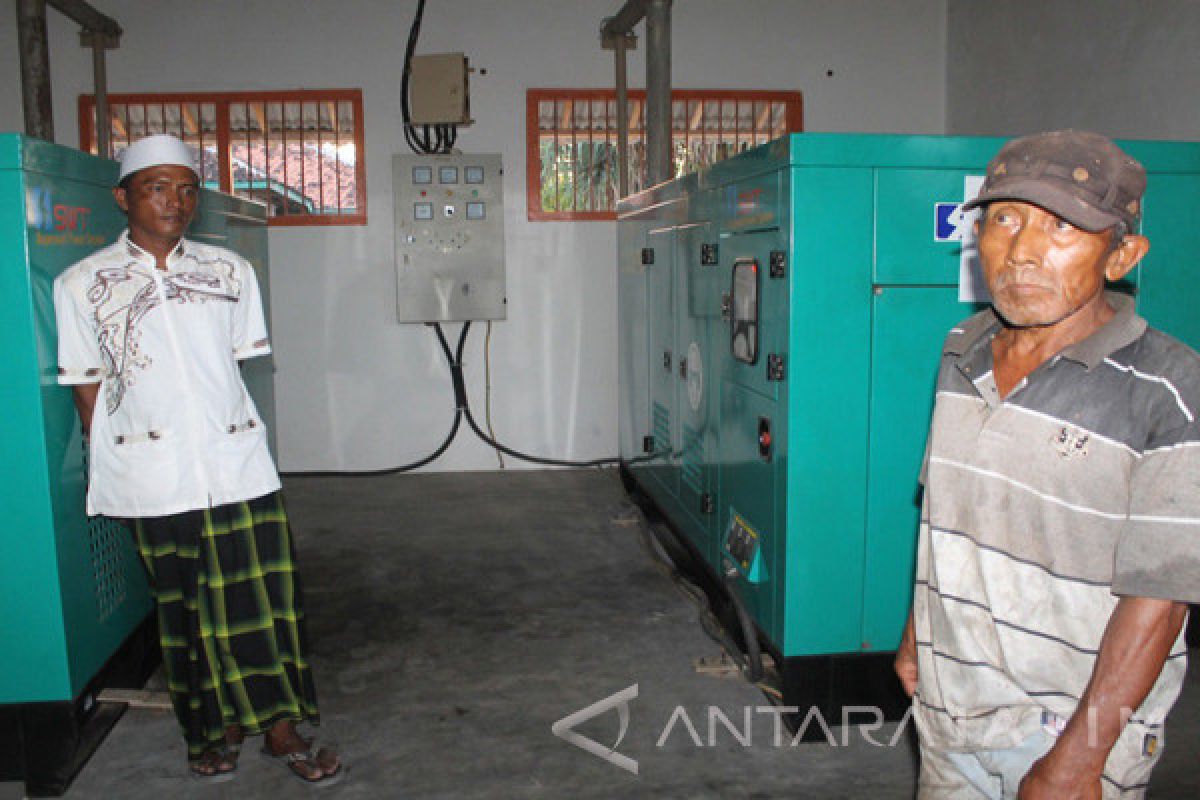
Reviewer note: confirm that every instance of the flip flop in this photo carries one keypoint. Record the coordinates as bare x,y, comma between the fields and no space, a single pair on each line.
310,757
213,758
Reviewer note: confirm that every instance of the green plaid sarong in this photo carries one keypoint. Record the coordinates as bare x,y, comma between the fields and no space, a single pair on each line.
230,618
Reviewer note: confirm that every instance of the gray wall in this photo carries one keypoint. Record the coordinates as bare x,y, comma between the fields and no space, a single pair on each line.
354,388
1127,68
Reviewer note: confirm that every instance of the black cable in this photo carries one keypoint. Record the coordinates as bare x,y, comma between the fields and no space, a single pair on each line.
754,665
464,405
458,414
410,133
462,408
750,664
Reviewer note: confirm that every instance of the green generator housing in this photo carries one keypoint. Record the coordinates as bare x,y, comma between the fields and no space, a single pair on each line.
789,467
74,605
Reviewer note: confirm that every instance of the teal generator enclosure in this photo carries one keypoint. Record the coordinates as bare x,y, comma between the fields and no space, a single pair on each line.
74,606
781,316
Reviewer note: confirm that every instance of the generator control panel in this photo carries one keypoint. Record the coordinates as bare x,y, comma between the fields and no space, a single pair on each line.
449,237
743,549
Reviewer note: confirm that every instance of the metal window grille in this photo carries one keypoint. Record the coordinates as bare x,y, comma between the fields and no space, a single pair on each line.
299,152
572,157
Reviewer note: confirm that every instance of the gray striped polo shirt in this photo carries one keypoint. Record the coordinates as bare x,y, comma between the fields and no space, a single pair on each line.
1042,508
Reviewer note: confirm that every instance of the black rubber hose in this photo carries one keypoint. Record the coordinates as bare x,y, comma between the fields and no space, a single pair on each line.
754,665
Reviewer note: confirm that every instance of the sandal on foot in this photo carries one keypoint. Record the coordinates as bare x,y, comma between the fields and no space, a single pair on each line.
212,759
311,760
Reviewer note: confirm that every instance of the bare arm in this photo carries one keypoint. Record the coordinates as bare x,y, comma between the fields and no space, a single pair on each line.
1136,643
906,658
85,403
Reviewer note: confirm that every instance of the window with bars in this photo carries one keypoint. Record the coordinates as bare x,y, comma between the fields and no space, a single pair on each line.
299,152
571,141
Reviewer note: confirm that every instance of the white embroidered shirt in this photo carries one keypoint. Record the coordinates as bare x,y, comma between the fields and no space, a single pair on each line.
174,428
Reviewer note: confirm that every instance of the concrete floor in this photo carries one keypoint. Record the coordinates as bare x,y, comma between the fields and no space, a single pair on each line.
454,618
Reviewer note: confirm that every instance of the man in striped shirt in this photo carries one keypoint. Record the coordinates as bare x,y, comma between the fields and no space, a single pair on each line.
1060,532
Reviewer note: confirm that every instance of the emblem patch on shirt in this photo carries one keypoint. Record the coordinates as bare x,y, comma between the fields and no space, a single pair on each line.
1070,442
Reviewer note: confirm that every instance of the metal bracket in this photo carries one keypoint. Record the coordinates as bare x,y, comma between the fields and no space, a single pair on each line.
778,264
647,255
775,370
92,38
708,254
608,41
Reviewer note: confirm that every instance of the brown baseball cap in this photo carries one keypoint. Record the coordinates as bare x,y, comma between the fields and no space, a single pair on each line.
1080,176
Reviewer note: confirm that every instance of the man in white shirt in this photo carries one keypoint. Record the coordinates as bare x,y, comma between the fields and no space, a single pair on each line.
151,330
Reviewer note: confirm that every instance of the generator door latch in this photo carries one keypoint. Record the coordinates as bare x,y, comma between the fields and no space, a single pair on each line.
647,255
708,254
647,444
778,263
775,371
683,368
726,306
765,440
667,360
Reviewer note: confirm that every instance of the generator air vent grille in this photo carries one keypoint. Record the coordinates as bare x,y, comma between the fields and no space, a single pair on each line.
691,471
107,551
662,429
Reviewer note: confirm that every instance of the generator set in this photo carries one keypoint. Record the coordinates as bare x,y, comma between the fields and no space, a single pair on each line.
781,318
75,610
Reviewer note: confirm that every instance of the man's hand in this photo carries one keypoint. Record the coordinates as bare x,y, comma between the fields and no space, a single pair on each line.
1046,781
85,403
906,659
1136,642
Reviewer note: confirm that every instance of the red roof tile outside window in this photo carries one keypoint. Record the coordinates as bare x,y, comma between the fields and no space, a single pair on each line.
571,141
300,152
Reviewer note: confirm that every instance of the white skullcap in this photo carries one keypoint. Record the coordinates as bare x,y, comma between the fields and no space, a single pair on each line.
159,150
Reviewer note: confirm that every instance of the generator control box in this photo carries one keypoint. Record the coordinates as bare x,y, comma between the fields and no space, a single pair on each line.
449,237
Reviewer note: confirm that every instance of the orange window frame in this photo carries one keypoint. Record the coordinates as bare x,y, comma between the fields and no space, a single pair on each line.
224,137
793,103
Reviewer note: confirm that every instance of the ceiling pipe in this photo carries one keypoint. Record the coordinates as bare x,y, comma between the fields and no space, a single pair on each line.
100,32
35,69
658,91
616,34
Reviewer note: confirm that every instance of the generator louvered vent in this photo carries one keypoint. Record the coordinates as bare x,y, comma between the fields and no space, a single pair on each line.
662,429
107,552
693,459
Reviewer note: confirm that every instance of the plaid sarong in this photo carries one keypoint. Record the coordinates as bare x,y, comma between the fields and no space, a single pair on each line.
230,618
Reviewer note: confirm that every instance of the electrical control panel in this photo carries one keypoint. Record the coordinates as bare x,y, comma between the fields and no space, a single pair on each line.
743,549
449,237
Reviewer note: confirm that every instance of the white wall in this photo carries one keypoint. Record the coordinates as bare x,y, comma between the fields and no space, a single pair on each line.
1126,68
358,391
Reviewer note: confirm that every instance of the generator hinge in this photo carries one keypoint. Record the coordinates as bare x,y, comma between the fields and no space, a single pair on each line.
708,254
775,371
778,263
683,368
647,255
667,360
706,504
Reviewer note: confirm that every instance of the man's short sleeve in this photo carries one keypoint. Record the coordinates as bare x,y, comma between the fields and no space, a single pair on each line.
249,324
1158,555
79,358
